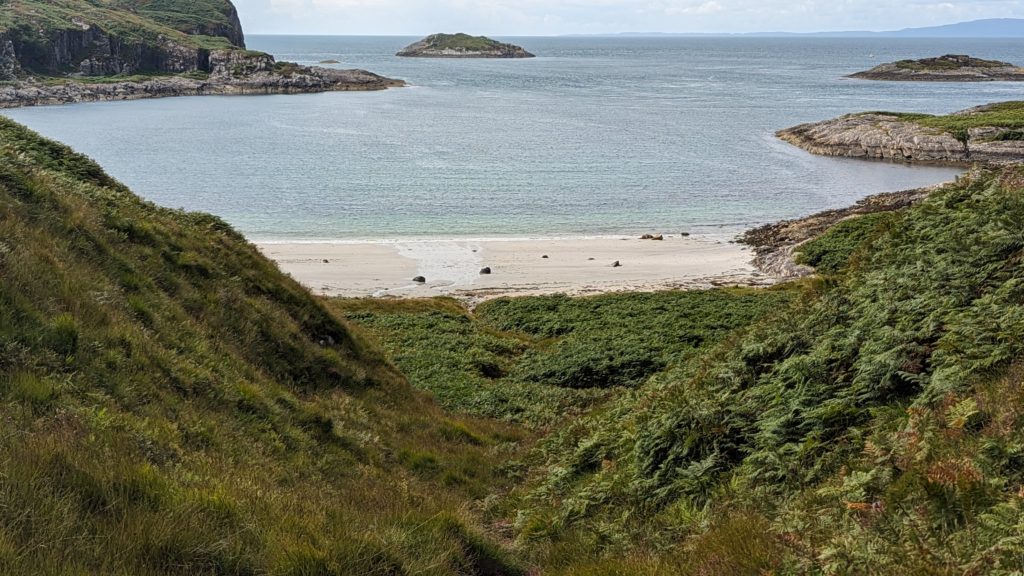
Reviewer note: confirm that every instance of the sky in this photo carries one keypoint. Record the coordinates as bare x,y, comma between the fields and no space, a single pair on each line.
554,17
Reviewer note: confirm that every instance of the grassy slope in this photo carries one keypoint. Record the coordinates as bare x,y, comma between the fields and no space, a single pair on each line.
875,427
1002,115
183,15
171,403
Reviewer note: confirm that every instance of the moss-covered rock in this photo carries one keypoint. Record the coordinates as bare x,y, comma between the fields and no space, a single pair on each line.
462,46
948,68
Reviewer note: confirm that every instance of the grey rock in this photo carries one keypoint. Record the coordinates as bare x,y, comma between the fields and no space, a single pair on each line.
948,68
887,137
294,80
9,65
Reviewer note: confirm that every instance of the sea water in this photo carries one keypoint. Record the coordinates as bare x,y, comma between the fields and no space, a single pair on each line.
596,136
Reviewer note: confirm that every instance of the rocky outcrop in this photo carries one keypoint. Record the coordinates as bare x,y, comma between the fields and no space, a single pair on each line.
89,50
65,37
231,30
948,68
889,137
462,46
282,79
237,63
51,50
9,65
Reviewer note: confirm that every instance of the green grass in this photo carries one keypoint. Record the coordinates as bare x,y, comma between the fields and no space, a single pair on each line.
1001,115
172,404
831,252
463,42
207,16
876,426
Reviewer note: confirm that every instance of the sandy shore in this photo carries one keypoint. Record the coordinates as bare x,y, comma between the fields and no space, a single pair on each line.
572,266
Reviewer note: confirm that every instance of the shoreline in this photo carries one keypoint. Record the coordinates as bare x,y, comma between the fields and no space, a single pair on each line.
305,80
573,266
758,256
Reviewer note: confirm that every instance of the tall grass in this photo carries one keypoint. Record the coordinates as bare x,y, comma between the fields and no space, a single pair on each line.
172,404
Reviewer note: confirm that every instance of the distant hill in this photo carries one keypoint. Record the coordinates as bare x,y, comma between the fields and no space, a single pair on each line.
990,28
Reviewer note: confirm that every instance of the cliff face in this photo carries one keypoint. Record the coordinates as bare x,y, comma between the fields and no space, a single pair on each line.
889,137
63,37
9,65
90,51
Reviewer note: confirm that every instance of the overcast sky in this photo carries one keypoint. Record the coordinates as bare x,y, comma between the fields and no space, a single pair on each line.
544,17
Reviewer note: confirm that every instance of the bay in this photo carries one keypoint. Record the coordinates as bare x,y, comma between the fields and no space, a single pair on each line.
596,136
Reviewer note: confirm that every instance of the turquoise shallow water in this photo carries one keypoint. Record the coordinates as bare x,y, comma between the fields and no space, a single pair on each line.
596,136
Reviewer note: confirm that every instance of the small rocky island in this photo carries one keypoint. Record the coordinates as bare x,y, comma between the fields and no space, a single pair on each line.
65,51
992,134
948,68
462,46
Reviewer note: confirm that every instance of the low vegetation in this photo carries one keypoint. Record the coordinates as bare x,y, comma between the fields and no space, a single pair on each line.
949,62
463,42
831,252
874,427
1003,115
170,403
538,360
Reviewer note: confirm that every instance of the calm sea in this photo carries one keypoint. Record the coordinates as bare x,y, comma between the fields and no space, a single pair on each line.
596,136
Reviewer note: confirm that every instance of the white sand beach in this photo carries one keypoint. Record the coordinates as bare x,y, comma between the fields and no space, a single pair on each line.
574,266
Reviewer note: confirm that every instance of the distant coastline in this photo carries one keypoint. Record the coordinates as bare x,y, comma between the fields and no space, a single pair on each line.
985,28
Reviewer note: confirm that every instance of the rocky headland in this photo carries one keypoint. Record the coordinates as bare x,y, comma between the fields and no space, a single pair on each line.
272,78
990,134
65,51
948,68
462,46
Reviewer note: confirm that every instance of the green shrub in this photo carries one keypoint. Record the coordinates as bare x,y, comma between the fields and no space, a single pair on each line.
830,252
31,389
62,336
